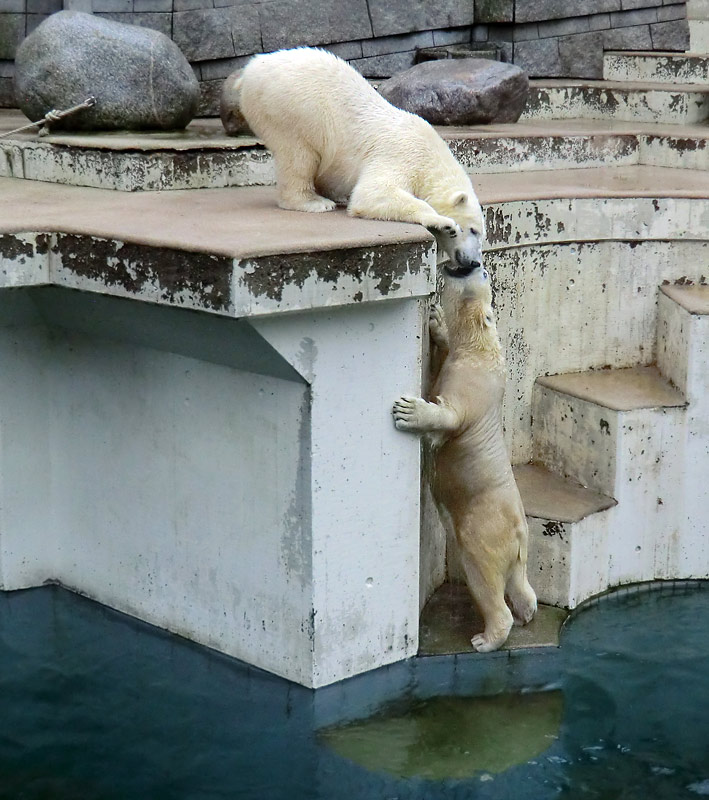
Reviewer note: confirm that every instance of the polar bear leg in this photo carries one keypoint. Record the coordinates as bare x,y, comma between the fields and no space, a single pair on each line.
416,415
521,595
377,198
296,167
488,592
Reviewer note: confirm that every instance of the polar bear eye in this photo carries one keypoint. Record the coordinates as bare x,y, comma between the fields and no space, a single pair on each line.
485,275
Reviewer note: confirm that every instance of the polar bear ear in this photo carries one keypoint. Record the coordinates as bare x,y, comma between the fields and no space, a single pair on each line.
459,199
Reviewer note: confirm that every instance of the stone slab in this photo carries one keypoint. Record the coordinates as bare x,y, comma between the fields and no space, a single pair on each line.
619,390
289,23
211,33
546,495
672,68
391,17
239,223
616,100
693,298
202,156
450,618
12,32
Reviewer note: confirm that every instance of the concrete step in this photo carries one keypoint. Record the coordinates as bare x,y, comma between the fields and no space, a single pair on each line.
682,356
683,315
543,145
204,157
450,618
680,104
621,433
655,67
568,532
586,423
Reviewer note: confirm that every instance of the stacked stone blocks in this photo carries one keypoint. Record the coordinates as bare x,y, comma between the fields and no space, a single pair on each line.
546,38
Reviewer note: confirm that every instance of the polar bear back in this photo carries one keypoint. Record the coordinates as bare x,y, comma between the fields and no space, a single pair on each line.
317,97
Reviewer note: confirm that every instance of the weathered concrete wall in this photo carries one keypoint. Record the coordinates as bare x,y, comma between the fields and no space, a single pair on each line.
249,511
547,38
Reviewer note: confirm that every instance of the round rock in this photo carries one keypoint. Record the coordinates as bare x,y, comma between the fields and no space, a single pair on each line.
460,91
139,77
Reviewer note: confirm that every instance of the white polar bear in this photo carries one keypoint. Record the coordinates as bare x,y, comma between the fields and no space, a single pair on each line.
473,482
334,139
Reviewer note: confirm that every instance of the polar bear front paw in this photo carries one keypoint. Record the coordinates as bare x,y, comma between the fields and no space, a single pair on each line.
443,226
411,414
437,328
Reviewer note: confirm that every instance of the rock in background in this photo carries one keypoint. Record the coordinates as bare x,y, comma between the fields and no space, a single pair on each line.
466,91
139,77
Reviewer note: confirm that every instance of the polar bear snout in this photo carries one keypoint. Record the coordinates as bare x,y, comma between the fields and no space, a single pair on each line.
468,253
465,262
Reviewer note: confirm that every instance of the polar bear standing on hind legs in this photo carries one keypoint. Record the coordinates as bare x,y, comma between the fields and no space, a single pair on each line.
336,140
473,485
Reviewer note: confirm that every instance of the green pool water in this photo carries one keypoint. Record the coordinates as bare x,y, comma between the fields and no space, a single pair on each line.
98,707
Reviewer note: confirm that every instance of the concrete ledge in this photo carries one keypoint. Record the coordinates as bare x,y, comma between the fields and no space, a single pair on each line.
620,390
234,254
694,299
671,68
643,102
548,496
450,618
203,157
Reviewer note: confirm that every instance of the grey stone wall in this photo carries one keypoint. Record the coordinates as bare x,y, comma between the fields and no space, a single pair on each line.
566,38
547,38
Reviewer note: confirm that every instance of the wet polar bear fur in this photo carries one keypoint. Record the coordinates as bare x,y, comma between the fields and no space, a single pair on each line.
473,483
335,140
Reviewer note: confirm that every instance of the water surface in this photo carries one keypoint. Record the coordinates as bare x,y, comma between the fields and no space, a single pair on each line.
96,706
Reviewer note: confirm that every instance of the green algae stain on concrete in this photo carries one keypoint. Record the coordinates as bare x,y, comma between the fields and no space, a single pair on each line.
452,737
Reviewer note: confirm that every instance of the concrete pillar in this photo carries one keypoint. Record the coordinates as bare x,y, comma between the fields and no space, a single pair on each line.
240,484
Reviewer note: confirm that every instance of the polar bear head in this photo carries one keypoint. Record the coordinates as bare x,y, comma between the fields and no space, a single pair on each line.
467,307
463,241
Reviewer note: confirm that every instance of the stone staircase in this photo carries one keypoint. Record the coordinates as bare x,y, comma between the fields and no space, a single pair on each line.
636,438
616,490
638,87
613,466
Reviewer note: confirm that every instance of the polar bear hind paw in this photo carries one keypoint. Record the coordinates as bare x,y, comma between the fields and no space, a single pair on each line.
314,204
524,609
483,643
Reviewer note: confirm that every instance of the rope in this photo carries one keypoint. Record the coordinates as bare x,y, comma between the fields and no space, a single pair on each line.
53,116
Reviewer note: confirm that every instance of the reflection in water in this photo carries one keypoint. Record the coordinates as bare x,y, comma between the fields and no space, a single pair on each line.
452,737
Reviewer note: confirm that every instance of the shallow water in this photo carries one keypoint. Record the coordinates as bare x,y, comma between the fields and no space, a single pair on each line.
96,706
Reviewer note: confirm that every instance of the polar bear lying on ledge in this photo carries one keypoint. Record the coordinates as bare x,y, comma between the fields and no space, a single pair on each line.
335,139
473,484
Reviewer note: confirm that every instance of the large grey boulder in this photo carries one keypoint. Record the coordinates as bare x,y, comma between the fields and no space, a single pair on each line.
139,77
460,91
